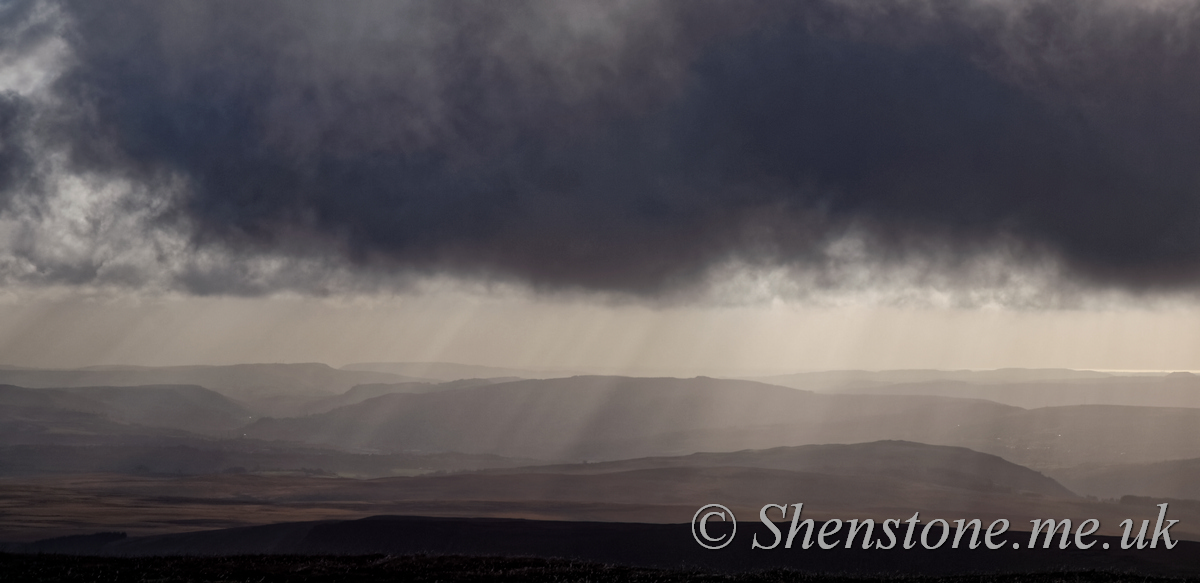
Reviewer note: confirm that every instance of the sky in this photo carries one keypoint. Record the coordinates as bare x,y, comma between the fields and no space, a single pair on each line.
678,187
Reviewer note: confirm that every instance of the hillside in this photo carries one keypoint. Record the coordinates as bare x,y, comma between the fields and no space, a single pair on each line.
1166,479
238,381
850,481
610,418
39,416
452,371
952,467
184,407
851,379
360,393
1174,390
619,417
186,457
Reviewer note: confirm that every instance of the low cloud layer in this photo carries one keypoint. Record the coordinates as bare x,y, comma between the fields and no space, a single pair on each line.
1031,148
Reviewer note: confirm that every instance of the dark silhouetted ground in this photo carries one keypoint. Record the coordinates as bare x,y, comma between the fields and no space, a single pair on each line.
448,569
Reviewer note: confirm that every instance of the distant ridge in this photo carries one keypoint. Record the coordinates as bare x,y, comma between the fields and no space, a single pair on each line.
236,380
82,409
610,418
451,371
600,417
838,379
360,393
1172,390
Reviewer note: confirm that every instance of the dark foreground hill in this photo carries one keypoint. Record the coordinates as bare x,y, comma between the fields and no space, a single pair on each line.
456,569
636,545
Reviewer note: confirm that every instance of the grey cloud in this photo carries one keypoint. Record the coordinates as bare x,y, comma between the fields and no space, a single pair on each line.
15,163
634,147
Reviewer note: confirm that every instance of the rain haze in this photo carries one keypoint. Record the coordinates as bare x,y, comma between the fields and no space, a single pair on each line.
437,246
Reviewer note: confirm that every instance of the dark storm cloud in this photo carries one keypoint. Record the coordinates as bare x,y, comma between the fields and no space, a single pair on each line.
15,163
632,147
16,34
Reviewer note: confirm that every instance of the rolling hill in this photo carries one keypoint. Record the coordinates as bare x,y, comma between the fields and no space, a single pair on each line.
610,418
242,381
39,416
360,393
951,467
186,457
850,379
451,371
1166,479
617,417
184,407
880,479
1173,390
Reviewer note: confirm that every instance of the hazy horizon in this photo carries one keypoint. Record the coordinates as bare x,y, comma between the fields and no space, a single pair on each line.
565,371
532,334
213,184
582,260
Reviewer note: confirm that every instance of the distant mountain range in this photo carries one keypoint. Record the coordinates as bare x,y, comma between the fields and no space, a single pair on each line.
450,371
176,456
360,393
879,480
42,413
848,379
238,380
588,447
579,448
609,418
1181,389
